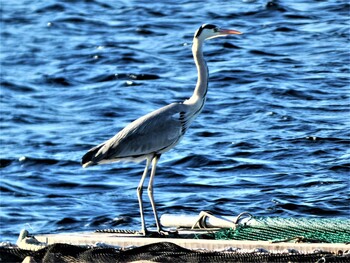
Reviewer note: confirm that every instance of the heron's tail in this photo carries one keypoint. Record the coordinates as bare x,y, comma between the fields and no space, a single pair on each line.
89,158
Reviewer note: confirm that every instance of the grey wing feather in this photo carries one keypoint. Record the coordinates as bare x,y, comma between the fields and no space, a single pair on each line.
153,133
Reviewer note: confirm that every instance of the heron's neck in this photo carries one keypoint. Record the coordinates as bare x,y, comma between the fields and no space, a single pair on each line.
201,88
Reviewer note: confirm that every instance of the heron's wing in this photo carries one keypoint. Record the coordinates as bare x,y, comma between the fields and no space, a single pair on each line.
152,133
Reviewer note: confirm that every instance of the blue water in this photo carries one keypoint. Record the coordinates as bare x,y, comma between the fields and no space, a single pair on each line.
272,140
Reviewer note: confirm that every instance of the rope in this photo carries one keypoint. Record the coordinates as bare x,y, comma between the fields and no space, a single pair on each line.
116,231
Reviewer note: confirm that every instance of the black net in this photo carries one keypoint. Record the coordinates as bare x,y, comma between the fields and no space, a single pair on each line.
157,252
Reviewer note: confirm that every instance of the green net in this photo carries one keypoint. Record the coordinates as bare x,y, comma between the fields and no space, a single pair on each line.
277,229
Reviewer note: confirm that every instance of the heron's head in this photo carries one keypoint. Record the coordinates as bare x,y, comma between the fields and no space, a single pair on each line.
208,31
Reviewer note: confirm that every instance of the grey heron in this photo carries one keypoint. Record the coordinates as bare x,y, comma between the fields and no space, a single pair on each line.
148,137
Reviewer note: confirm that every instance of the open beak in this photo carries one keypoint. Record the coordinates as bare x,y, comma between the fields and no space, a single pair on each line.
229,32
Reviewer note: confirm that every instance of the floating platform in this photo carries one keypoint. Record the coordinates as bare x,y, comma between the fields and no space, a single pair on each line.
129,240
200,238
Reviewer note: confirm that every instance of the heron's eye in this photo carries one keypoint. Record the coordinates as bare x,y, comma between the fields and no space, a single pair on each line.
216,29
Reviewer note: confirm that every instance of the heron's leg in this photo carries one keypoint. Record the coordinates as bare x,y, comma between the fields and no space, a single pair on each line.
150,190
139,196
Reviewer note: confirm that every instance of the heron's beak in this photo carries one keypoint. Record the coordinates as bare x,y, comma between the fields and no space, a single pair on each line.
229,32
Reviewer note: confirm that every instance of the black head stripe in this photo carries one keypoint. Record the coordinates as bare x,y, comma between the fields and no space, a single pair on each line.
205,26
209,26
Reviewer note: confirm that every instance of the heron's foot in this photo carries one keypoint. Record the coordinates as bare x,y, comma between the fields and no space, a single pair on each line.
159,233
167,233
163,232
148,233
143,232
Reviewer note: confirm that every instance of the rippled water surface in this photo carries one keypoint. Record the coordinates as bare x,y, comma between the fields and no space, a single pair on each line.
272,140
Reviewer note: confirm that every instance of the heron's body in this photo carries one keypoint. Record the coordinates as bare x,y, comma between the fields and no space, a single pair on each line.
154,133
159,131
